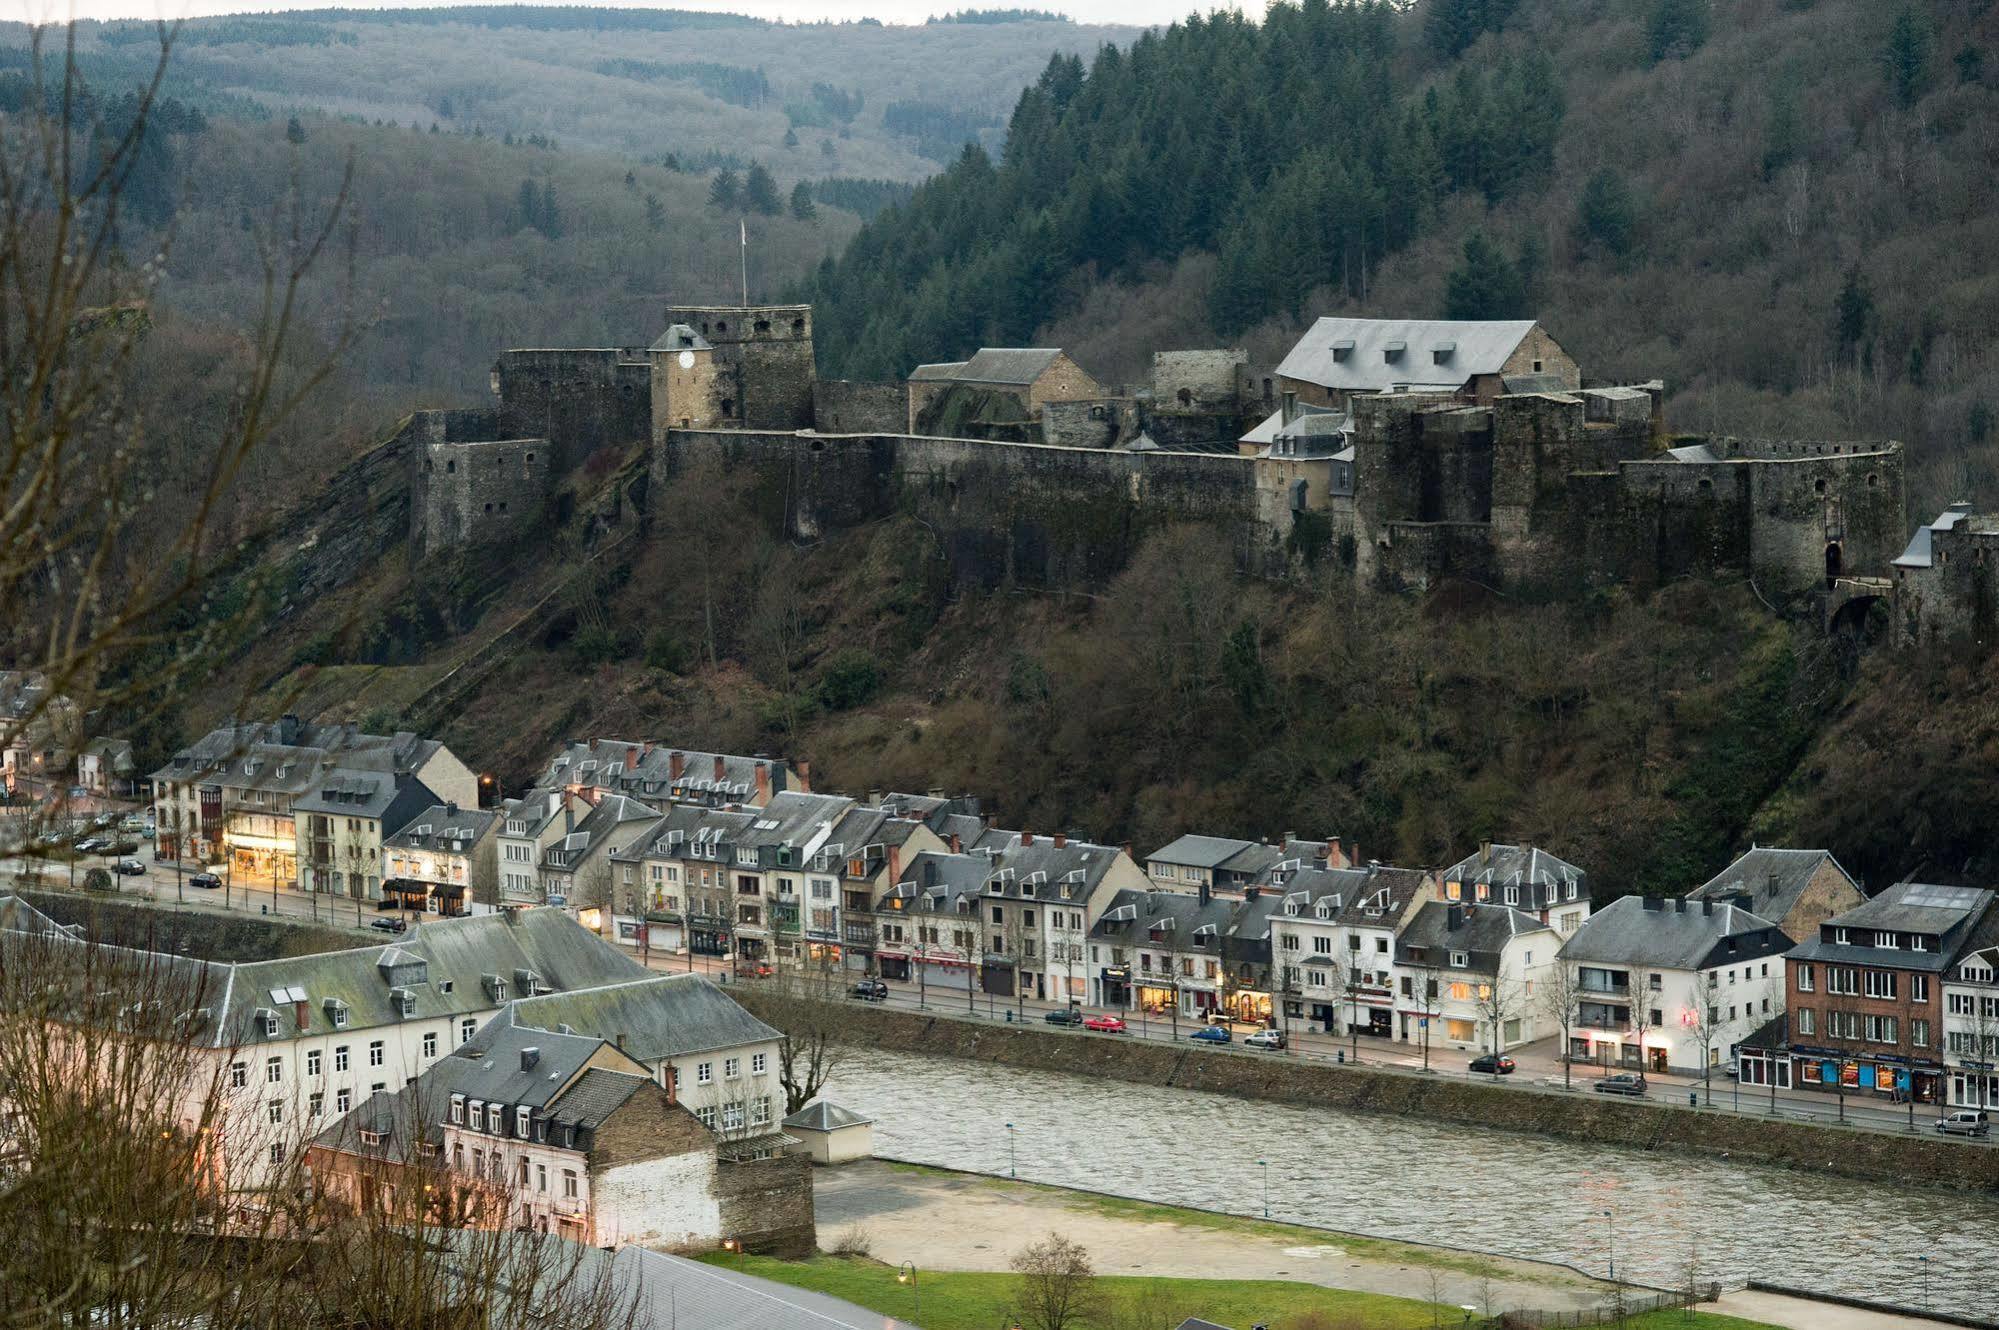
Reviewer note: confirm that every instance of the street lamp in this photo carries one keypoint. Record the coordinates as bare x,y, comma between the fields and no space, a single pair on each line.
1924,1258
1612,1220
1009,1152
1264,1164
906,1274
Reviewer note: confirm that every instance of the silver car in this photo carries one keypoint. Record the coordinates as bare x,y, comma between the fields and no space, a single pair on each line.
1964,1122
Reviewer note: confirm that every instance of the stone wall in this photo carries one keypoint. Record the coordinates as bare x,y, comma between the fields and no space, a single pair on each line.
767,1204
1089,422
1924,1159
579,399
1199,380
842,406
468,488
1063,381
1956,598
769,350
1003,514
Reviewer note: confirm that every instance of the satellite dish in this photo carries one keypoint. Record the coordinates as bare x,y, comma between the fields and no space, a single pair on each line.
687,360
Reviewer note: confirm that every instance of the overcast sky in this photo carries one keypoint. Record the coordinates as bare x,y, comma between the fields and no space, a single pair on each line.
888,11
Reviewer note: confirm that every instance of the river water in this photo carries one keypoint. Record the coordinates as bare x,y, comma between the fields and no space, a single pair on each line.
1488,1191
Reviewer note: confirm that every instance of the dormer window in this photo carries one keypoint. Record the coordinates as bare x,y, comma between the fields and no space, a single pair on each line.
336,1011
1391,352
270,1023
1459,960
1342,349
1441,353
521,1121
458,1108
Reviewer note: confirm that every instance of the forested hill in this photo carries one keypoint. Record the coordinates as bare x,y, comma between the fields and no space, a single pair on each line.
1783,207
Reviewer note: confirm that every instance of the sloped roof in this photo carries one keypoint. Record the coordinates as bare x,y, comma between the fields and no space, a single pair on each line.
673,1290
599,1093
820,1115
1016,365
680,337
1920,553
1771,878
660,1016
937,372
1482,931
1199,851
1362,364
1671,934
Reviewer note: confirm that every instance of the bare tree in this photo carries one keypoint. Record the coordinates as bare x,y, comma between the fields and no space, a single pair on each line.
1706,1024
1346,987
810,1049
1497,1003
1058,1284
1561,999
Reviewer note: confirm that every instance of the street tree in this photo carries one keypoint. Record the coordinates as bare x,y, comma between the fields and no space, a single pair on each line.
1346,985
1498,1002
1706,1022
1058,1284
809,1050
1561,1001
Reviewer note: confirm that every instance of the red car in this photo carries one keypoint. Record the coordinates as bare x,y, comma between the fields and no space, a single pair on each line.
1105,1024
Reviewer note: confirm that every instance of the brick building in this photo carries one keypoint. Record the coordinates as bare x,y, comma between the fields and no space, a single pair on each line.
1797,890
1865,996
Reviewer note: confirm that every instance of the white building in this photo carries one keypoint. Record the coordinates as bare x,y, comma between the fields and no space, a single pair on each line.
1525,878
446,859
1971,1028
1334,941
1672,985
1469,977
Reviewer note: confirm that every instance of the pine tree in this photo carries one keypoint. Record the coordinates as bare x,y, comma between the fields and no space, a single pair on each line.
1907,56
294,132
726,192
655,213
802,206
1853,310
527,206
549,221
1486,285
760,191
1676,29
1605,215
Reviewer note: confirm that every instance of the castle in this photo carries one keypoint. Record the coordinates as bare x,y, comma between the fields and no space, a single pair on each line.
1410,453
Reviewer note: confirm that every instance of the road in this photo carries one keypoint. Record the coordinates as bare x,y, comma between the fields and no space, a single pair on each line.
1539,1065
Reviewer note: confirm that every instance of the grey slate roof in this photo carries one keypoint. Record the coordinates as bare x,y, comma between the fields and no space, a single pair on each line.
1476,348
1375,895
597,1094
680,337
1482,931
1132,916
941,371
660,1016
1015,366
645,770
1950,915
1543,878
442,825
1199,851
822,1115
250,756
1673,935
674,1291
1920,554
1771,878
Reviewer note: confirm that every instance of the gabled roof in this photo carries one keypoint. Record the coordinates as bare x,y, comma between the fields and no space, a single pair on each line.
1015,366
1354,355
1481,931
1543,878
1771,878
680,337
1920,553
1199,851
936,372
661,1016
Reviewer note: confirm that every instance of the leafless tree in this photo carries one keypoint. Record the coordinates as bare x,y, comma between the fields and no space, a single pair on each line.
809,1052
1058,1284
1561,999
1498,1002
88,599
1706,1022
1346,986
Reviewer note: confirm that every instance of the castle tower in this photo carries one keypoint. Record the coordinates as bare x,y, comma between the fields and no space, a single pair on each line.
762,367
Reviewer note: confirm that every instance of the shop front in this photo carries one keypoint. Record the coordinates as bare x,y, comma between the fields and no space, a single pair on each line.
892,965
1158,997
1114,986
950,973
1896,1079
707,935
664,931
1974,1085
1249,1005
996,975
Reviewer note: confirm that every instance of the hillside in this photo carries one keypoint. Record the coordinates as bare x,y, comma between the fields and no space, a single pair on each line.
1782,207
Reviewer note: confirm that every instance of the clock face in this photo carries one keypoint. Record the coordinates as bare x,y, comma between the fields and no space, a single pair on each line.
687,360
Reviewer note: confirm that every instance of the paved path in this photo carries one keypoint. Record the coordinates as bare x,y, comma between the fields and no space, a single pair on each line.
1804,1314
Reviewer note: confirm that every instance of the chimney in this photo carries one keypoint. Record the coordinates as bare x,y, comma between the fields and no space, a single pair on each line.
720,769
676,763
1061,839
529,1056
1207,893
957,846
895,864
875,798
802,771
1485,851
1773,884
1251,893
1026,838
1707,907
1655,903
1680,904
1336,855
450,809
669,1081
593,744
763,781
1289,836
299,1014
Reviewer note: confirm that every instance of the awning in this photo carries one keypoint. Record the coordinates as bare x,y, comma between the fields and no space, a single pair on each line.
406,886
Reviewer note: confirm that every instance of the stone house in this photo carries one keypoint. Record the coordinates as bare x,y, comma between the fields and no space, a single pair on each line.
1945,584
105,767
342,824
1797,890
1467,976
1654,975
1338,359
1524,877
576,867
660,775
1030,377
1336,931
1228,867
1865,995
446,859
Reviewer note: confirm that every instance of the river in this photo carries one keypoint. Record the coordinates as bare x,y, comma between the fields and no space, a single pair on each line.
1489,1191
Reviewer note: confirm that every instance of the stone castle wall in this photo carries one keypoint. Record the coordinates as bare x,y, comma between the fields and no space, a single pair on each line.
579,400
768,349
1025,514
841,406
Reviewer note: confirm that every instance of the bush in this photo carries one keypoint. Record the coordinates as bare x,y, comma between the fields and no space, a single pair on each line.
666,652
97,879
597,645
851,679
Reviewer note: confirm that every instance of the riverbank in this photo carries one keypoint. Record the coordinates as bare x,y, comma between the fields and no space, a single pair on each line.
1921,1159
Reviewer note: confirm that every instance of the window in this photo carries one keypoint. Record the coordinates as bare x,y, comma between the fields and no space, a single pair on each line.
1461,992
707,1115
1805,978
312,1060
430,1044
239,1074
1459,960
1881,1029
1880,983
277,1152
541,1177
1919,1033
375,1053
758,1063
1804,1020
340,1058
1919,988
704,1073
1842,979
270,1025
315,1103
521,1121
1958,1004
458,1108
493,1115
760,1111
524,1173
467,1028
732,1115
342,1100
274,1070
569,1183
732,1067
275,1110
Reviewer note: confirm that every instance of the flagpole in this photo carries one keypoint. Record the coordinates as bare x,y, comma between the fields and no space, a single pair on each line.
745,227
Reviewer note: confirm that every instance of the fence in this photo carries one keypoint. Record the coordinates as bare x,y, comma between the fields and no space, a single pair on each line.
1621,1307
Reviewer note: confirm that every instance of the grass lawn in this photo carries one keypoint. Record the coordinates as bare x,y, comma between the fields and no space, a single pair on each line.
952,1300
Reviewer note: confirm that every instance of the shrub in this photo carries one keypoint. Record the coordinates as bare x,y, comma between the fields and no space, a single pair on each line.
666,652
596,645
850,680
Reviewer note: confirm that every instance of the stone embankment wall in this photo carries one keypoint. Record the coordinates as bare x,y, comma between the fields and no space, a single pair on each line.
204,934
1922,1159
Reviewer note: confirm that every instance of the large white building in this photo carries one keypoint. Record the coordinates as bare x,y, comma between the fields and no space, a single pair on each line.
1469,977
1670,985
1334,943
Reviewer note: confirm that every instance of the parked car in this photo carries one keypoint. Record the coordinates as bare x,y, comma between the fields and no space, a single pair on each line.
1492,1064
388,925
1105,1024
1621,1083
114,848
1213,1034
132,822
91,844
103,819
1272,1040
130,867
78,792
1964,1122
205,881
1068,1016
869,990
